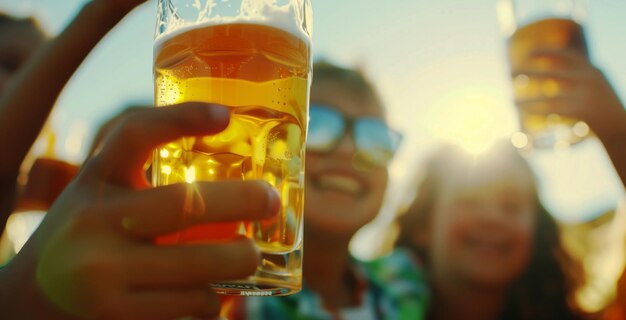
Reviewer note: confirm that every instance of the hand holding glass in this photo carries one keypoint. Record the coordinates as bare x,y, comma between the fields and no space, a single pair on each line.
533,27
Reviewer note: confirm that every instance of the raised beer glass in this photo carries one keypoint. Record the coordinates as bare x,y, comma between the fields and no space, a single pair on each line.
535,25
253,56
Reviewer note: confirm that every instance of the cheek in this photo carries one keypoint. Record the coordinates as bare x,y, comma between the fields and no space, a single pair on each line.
523,228
523,235
375,197
521,249
453,224
378,179
448,230
312,161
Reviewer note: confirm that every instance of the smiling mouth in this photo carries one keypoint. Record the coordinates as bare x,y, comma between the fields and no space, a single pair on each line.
489,245
340,183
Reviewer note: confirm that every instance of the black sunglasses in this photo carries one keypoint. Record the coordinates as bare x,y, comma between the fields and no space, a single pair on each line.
375,141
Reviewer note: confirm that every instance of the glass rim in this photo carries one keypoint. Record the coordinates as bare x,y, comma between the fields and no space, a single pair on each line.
292,16
509,21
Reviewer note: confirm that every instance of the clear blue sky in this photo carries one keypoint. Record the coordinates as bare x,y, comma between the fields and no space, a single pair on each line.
438,63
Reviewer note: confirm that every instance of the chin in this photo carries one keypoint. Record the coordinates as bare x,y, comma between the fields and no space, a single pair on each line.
330,227
488,278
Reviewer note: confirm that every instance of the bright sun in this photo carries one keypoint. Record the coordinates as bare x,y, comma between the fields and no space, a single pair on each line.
470,118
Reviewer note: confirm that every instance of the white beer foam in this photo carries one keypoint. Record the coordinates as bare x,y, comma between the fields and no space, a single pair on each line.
286,16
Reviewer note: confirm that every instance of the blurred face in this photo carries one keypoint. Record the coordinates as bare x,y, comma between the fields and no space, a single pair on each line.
17,44
482,225
340,198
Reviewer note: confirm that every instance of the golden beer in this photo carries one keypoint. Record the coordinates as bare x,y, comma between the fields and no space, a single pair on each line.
552,33
262,74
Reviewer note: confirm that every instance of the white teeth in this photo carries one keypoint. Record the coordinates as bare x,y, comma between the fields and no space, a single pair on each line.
341,183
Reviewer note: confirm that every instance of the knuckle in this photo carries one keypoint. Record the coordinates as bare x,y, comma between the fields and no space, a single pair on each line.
129,128
124,126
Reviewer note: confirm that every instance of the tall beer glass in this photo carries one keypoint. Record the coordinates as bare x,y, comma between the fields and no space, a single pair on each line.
253,56
532,25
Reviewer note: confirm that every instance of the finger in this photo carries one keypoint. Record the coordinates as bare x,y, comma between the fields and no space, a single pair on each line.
165,305
157,211
564,56
564,75
577,78
105,129
539,88
565,105
566,53
191,266
133,139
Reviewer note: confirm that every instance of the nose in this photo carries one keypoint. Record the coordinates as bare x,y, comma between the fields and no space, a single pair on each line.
491,212
346,145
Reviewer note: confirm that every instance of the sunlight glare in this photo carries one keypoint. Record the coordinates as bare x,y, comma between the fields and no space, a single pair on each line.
75,141
470,120
190,174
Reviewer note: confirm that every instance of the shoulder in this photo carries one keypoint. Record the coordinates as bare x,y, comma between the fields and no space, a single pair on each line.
399,266
401,284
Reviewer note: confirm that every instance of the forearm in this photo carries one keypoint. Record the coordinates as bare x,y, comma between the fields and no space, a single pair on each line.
27,103
612,133
606,115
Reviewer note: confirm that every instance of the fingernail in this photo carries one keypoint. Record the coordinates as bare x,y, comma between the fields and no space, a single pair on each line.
220,115
274,203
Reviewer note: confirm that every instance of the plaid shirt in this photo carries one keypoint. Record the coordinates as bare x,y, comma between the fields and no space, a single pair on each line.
390,287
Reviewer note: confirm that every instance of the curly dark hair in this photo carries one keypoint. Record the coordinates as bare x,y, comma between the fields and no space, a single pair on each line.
546,288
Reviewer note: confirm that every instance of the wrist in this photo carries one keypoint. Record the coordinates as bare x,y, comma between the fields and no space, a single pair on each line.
616,138
613,130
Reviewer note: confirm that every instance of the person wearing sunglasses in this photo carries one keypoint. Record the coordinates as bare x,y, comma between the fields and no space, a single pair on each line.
349,147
